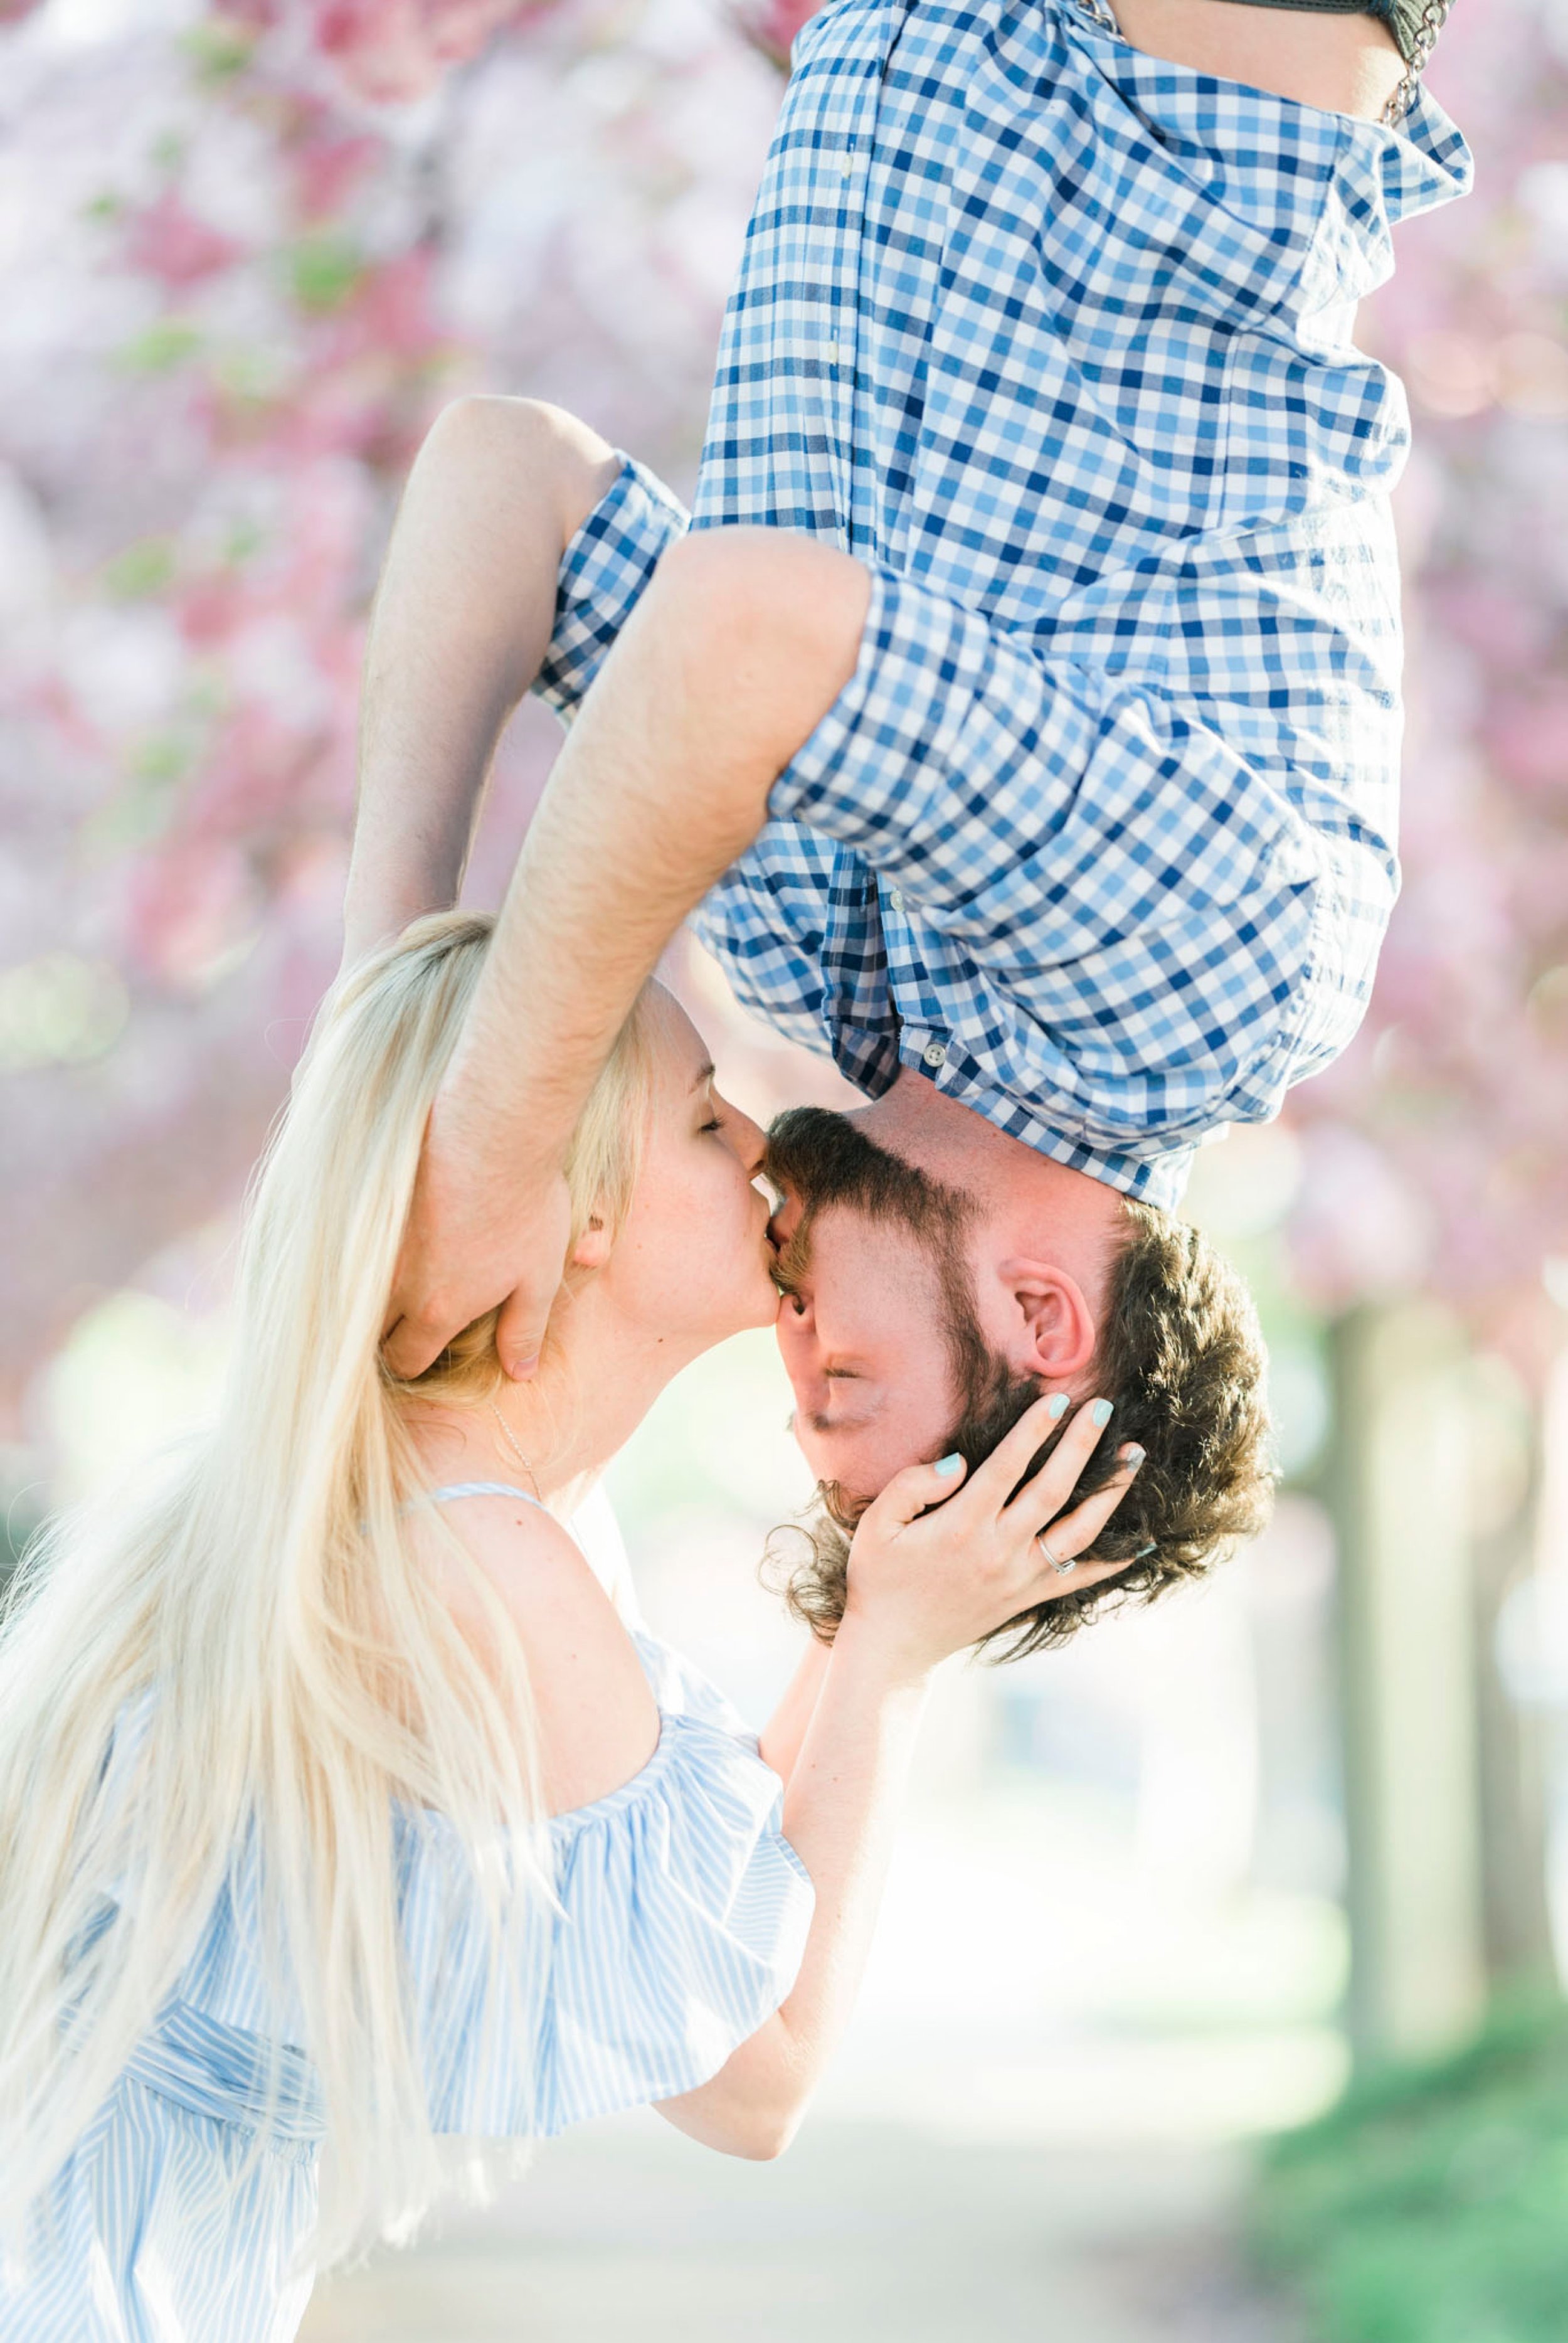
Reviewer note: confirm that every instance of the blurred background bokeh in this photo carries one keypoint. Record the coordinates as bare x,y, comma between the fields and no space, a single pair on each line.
1217,1991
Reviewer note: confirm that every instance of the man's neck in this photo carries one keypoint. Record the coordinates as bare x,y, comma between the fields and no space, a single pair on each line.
1032,1202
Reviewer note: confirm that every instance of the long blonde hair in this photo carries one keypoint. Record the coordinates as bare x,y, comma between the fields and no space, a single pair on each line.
262,1600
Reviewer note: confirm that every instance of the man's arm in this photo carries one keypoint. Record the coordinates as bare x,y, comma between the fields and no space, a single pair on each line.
463,620
732,657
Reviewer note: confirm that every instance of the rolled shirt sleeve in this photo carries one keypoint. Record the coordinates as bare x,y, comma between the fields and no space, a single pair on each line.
603,574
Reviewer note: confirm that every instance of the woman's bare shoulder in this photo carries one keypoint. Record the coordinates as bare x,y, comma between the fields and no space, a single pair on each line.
597,1722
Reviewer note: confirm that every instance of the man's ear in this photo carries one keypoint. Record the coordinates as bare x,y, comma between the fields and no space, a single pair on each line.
591,1250
1054,1333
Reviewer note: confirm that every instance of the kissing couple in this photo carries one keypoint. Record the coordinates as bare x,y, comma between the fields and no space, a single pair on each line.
1016,718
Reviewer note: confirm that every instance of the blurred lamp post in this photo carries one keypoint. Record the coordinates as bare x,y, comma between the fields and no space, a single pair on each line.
1447,1886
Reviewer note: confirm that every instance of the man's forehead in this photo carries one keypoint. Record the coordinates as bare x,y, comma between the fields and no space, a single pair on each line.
842,1233
823,1155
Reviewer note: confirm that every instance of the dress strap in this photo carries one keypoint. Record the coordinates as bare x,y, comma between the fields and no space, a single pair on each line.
483,1489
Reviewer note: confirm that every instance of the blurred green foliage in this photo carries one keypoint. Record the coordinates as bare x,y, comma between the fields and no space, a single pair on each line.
324,270
1432,2205
158,348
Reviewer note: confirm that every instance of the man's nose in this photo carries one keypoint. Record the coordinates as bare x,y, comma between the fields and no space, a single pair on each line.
795,1325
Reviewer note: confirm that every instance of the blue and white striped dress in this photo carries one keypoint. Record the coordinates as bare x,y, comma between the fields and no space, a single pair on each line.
683,1917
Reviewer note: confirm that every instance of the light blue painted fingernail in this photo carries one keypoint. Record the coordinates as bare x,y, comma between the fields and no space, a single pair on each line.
1057,1408
1102,1411
947,1465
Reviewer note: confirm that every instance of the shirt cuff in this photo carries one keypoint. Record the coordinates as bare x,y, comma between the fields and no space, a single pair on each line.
603,573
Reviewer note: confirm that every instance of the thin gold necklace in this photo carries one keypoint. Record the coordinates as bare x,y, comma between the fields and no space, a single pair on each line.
507,1436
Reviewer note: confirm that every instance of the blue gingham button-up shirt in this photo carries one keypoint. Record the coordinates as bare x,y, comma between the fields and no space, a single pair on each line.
1055,338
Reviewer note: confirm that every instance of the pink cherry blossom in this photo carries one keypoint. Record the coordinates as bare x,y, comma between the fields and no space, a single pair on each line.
176,249
396,50
773,23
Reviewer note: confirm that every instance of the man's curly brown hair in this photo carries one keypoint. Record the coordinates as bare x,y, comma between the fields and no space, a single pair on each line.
1181,1354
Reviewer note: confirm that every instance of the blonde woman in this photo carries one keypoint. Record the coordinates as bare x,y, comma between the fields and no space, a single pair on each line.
339,1811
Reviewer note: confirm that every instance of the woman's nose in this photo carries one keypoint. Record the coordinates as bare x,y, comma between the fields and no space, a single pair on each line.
749,1142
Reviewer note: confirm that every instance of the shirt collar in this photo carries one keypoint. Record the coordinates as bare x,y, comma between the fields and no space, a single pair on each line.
1323,190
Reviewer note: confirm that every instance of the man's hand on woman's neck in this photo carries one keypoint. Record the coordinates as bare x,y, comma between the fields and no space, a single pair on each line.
595,1382
736,652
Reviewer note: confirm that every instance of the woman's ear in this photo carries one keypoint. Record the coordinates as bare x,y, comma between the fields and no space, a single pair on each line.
591,1250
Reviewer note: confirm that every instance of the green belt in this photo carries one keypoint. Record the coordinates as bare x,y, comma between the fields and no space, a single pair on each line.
1402,17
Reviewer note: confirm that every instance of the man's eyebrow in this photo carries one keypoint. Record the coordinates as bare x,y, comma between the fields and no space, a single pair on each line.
704,1074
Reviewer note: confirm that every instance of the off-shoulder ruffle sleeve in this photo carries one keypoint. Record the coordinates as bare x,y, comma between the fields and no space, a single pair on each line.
683,1917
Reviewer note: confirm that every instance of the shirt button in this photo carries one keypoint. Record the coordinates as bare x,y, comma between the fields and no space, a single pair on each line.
935,1054
897,899
832,354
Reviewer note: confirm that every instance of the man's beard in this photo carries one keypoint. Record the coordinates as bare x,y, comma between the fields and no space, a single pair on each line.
822,1158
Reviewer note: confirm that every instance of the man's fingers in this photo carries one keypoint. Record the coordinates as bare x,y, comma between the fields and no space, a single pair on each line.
520,1335
415,1338
410,1346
